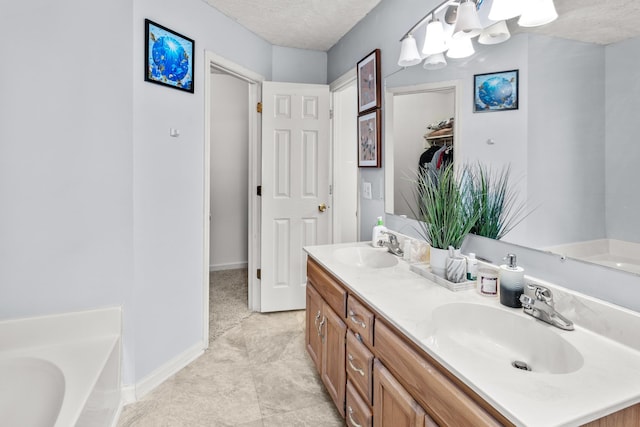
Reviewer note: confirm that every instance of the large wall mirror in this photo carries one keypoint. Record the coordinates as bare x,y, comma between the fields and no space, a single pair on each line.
571,145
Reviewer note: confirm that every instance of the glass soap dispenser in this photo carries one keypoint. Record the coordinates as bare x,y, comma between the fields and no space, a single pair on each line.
511,282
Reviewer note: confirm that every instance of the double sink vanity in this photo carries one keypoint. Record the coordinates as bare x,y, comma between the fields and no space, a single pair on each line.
395,349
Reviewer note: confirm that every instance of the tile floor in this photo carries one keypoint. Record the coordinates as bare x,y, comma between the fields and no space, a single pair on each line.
255,373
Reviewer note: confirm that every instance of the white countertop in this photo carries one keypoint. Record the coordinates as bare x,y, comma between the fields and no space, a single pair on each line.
608,380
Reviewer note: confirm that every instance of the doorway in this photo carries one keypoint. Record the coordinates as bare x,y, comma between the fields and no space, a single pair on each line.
225,247
344,160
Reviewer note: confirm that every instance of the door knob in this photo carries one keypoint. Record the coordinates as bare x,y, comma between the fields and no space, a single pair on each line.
322,207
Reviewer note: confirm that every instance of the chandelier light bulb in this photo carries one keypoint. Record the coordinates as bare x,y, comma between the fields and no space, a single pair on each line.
409,54
537,13
468,23
435,62
494,34
434,40
501,10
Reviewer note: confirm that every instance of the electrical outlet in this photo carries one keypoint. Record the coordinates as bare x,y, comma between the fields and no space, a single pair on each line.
366,190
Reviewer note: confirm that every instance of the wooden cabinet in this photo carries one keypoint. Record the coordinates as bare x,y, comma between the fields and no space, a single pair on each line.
360,320
313,341
360,367
383,378
444,400
333,375
392,405
325,335
358,412
325,331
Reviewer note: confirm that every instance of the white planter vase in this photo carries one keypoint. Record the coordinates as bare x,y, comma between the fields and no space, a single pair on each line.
439,261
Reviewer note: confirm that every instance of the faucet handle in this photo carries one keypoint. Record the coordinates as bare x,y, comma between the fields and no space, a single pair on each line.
541,293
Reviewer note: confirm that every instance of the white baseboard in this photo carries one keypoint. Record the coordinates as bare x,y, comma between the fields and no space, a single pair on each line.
133,393
127,395
116,417
232,266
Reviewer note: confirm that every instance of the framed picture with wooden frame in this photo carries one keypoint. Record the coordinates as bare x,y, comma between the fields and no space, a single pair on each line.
369,93
369,145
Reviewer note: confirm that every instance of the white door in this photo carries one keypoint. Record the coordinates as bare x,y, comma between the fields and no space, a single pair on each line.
295,188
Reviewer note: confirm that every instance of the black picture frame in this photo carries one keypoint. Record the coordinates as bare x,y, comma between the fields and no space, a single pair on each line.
169,57
498,91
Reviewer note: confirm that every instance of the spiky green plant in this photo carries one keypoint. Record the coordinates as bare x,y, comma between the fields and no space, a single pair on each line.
441,212
491,200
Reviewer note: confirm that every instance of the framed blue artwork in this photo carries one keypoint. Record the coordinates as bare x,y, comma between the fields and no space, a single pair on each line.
495,91
168,57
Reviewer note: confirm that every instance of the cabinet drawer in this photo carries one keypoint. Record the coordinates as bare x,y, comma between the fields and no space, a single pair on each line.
358,412
359,365
360,320
444,401
328,287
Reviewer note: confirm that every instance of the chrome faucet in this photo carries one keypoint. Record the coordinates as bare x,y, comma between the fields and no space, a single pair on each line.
537,301
391,243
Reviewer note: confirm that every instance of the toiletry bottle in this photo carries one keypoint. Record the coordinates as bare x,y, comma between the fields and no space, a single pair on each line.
472,267
377,238
511,282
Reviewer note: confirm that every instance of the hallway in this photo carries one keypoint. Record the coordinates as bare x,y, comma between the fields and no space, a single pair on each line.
255,373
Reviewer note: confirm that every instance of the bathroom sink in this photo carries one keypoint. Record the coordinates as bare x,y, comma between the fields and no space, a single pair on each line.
363,256
494,337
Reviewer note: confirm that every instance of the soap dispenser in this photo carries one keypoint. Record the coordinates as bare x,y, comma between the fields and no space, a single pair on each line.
511,282
377,237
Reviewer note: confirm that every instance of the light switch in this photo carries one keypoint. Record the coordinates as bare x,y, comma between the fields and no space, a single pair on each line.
366,190
174,132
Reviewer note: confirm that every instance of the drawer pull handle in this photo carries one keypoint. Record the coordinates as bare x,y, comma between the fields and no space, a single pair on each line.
316,322
355,424
324,320
357,321
354,367
359,337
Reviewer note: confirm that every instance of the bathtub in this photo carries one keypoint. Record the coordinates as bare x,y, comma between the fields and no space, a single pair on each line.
608,252
60,371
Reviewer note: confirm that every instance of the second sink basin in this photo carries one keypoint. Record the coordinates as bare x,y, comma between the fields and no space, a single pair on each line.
363,256
485,335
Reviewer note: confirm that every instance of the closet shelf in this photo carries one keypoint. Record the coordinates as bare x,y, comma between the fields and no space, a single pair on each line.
430,138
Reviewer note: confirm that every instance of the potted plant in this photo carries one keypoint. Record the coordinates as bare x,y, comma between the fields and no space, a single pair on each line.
491,201
442,213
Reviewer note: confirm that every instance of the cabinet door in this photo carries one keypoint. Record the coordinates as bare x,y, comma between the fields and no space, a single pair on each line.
313,341
333,334
392,405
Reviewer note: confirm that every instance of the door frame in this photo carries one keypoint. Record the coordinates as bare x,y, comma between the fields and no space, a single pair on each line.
347,79
255,80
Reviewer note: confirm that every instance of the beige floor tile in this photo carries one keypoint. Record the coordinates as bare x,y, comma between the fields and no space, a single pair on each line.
276,346
256,367
322,414
287,385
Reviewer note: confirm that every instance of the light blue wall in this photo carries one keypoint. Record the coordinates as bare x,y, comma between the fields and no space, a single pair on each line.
566,141
623,148
169,179
66,158
299,65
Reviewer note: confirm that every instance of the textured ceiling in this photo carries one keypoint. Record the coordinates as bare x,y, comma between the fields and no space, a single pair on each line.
594,21
305,24
319,24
